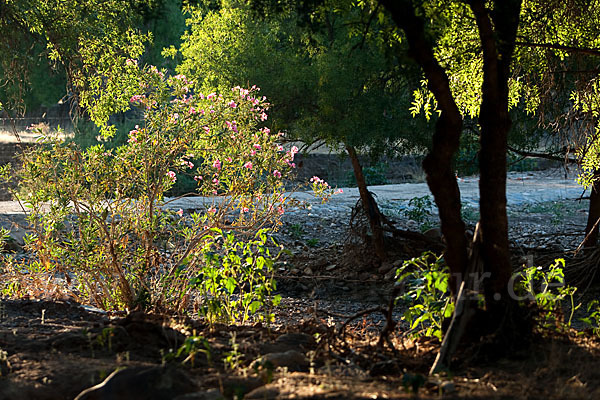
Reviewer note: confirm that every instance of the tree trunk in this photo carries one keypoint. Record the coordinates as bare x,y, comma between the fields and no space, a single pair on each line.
438,163
369,205
497,31
591,229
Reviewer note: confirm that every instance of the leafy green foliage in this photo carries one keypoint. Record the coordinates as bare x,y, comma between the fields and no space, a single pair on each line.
374,175
592,321
546,287
420,210
426,294
328,78
99,214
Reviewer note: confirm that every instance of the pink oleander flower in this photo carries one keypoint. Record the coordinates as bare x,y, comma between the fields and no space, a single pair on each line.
280,210
277,174
339,191
211,210
136,98
211,96
252,153
263,116
216,182
172,175
217,165
266,131
180,212
131,62
232,104
198,178
206,129
279,147
257,146
132,139
294,150
245,209
248,165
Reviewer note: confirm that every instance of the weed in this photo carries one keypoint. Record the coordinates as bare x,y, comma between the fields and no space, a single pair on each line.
296,231
592,321
556,209
546,287
314,242
426,294
233,358
468,213
420,210
191,347
104,339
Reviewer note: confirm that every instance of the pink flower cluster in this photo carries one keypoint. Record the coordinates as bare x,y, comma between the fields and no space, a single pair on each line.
137,98
172,176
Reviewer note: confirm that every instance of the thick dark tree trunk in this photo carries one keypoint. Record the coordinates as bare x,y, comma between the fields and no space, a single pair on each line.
369,205
591,229
497,31
438,163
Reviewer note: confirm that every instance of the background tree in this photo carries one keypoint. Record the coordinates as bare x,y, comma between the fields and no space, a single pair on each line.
331,77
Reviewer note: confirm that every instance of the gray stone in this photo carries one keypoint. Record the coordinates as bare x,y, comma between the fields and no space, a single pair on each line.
447,387
266,392
140,383
237,387
293,360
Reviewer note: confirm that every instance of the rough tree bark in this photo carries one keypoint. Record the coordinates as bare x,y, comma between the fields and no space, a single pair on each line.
591,229
497,31
438,163
369,205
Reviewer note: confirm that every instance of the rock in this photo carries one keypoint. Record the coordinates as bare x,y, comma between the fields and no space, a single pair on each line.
365,276
390,275
330,267
385,268
433,233
266,392
308,271
289,341
140,383
293,360
210,394
447,387
238,387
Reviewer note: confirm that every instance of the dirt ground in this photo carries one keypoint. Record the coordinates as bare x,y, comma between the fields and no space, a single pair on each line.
53,349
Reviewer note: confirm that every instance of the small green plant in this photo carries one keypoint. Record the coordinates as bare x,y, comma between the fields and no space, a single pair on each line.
468,213
313,242
420,210
104,339
191,347
592,321
233,358
556,209
235,278
296,231
426,294
546,287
